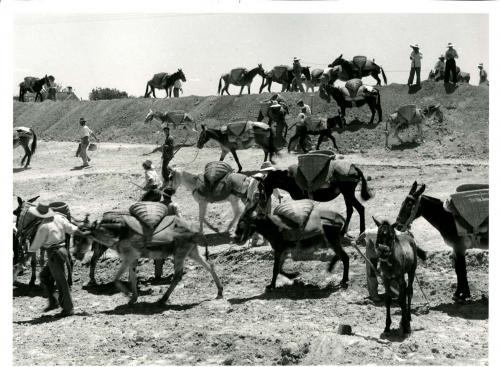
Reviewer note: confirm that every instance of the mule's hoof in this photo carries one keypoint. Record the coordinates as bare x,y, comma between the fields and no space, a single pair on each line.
161,302
344,285
219,296
31,283
132,301
91,283
270,287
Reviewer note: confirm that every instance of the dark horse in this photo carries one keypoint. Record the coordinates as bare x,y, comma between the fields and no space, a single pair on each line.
22,137
370,68
34,85
245,80
325,131
227,146
163,81
372,100
280,179
285,79
275,114
417,205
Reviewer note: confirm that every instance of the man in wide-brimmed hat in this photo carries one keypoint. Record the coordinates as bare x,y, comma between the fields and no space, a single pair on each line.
415,57
167,153
451,66
85,133
152,182
297,73
483,75
51,235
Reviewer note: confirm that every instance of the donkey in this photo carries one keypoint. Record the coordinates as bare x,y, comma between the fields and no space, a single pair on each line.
22,137
325,131
227,146
398,256
240,188
181,242
281,179
163,81
417,205
245,80
174,117
34,85
285,79
370,68
372,100
329,235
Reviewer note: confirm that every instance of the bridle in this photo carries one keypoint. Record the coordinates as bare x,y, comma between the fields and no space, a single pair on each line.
413,213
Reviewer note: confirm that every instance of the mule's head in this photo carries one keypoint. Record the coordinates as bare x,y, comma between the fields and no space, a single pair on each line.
20,204
261,70
172,181
98,233
386,237
245,226
337,61
409,208
204,137
306,72
181,75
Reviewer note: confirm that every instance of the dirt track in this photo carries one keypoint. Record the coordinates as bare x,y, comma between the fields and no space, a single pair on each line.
294,324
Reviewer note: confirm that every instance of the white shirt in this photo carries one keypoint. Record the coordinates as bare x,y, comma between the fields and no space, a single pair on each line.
177,84
415,59
151,178
305,109
84,131
52,231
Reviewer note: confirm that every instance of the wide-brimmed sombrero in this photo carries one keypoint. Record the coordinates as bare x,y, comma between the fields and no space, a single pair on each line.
41,211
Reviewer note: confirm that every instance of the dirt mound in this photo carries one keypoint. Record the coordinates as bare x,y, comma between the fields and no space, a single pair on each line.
464,132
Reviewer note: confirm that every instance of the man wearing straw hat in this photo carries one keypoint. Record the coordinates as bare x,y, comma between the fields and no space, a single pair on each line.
51,235
483,75
415,57
84,132
265,168
167,153
152,182
451,66
297,73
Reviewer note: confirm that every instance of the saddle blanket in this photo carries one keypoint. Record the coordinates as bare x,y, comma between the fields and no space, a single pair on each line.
300,219
176,117
280,71
237,73
471,207
29,81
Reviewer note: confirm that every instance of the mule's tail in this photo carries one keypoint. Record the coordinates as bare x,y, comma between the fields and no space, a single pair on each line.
365,192
421,253
220,85
260,117
383,75
33,143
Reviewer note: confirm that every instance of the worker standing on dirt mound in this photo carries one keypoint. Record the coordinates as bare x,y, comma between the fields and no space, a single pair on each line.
51,235
167,153
451,66
177,88
84,132
415,57
152,182
483,75
297,74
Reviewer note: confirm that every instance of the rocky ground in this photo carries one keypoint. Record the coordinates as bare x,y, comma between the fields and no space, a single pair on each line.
294,324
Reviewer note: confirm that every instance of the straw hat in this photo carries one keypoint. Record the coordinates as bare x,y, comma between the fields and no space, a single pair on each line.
441,57
147,164
42,211
267,166
295,59
480,65
299,102
415,45
82,120
450,44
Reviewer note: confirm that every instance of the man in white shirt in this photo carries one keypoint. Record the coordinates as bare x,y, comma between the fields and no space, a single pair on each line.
415,57
152,182
177,88
84,132
51,235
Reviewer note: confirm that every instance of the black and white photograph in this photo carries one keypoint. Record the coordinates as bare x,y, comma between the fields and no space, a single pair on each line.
285,183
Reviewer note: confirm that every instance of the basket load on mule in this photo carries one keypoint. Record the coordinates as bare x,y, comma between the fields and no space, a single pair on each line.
296,227
242,133
354,89
146,231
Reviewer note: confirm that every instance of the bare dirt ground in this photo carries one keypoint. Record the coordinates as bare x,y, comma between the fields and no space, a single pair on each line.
294,324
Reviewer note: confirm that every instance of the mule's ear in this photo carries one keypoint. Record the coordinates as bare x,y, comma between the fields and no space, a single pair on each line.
202,127
376,221
420,190
394,225
341,55
19,201
33,199
414,187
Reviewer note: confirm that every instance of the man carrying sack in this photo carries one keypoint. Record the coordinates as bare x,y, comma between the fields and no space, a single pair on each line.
84,132
51,235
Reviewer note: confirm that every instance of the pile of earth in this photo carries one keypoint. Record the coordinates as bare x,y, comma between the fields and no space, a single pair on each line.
462,134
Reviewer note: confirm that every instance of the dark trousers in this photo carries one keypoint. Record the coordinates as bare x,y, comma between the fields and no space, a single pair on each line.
176,92
450,66
164,168
54,272
414,71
